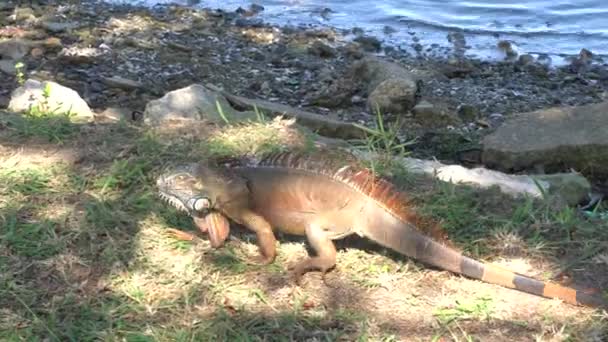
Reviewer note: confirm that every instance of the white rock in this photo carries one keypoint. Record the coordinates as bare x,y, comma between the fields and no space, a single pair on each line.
192,102
572,187
61,99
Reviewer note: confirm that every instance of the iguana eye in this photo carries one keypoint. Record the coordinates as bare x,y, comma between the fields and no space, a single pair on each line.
201,204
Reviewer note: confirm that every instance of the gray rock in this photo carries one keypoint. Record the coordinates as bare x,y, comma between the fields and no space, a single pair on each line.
8,66
468,113
554,139
369,43
394,95
22,14
61,99
322,50
194,102
56,27
572,187
388,84
373,71
122,83
15,48
115,114
525,59
433,115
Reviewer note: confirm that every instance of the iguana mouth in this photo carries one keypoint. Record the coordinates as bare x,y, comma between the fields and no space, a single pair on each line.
163,184
173,201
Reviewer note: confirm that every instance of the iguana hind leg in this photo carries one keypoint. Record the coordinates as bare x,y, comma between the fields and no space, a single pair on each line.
325,250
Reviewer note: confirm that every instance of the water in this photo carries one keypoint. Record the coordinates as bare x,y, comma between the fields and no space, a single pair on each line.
554,27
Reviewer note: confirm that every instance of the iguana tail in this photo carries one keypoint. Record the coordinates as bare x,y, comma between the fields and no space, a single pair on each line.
406,239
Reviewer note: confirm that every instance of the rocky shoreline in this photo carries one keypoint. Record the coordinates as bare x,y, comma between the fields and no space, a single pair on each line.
119,58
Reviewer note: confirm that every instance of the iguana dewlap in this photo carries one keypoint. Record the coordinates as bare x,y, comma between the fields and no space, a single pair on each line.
325,200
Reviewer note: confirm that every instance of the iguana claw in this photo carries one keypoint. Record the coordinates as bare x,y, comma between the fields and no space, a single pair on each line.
180,235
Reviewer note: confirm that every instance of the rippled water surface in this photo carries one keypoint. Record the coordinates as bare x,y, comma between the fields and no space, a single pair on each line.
536,26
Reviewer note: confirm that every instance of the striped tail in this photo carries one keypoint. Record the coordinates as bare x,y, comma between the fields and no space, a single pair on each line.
407,240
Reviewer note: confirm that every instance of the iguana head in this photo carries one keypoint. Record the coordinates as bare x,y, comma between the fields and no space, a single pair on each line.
189,188
182,188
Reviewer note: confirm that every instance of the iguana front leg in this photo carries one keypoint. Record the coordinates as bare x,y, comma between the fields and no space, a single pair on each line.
264,233
325,250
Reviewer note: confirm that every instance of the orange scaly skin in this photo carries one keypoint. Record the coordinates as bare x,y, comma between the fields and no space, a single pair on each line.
326,200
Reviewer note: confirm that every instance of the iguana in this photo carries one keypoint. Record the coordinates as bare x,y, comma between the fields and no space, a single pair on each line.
324,199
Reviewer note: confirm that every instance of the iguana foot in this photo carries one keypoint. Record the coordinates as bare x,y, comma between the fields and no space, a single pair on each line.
323,265
260,260
326,254
180,235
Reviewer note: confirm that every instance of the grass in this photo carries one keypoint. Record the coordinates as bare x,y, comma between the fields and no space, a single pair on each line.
84,254
44,122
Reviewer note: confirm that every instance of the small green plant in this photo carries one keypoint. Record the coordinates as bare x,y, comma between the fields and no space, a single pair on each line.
480,308
259,114
221,112
385,139
383,142
19,72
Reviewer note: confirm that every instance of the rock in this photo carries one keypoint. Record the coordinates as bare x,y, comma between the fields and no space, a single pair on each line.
388,30
468,113
61,99
369,43
356,99
555,138
367,74
37,52
571,187
373,71
8,66
582,61
322,50
508,49
78,55
394,95
115,114
194,102
255,8
430,115
52,43
353,51
15,48
455,68
122,83
496,119
459,43
22,14
525,59
57,27
4,101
